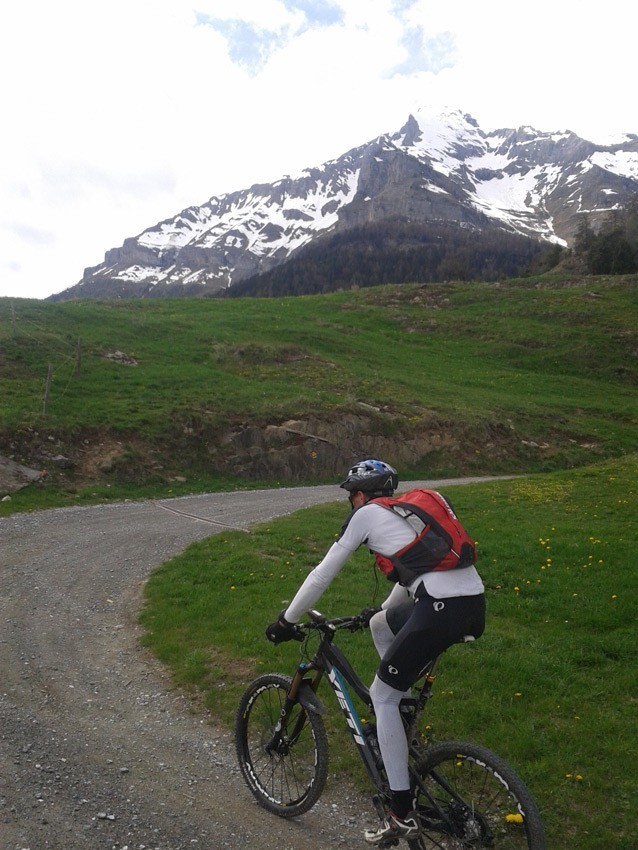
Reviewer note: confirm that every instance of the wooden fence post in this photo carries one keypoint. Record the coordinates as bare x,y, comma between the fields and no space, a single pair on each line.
47,387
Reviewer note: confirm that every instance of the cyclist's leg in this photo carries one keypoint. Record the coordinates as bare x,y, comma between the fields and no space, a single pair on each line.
391,734
431,627
387,623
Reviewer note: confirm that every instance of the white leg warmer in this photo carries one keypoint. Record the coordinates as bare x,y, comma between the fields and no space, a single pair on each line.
382,636
381,633
392,741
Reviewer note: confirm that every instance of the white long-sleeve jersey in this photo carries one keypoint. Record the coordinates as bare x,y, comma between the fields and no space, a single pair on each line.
384,532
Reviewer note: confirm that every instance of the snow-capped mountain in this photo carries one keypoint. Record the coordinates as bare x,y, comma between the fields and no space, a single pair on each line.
440,166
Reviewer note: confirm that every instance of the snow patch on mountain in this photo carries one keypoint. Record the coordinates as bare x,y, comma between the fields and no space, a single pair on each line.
443,139
622,163
515,197
256,222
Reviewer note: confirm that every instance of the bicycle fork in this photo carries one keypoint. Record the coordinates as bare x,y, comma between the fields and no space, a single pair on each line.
301,692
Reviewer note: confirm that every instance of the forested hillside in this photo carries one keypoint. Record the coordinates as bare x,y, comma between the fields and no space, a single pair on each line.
401,251
613,249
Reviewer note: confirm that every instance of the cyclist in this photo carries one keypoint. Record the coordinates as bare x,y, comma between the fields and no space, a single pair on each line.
415,623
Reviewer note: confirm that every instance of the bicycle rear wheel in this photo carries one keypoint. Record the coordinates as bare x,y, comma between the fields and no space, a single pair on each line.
287,770
468,797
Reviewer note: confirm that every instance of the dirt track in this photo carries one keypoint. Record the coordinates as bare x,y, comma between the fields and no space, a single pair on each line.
97,750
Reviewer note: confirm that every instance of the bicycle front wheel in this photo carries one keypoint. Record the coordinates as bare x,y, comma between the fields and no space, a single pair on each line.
285,769
468,797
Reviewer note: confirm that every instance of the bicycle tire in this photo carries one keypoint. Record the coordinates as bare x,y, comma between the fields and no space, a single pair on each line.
484,801
289,781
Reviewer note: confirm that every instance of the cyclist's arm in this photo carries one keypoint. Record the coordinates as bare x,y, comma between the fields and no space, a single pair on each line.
368,519
317,581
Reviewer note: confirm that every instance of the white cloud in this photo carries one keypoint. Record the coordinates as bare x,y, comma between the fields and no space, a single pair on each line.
119,115
425,54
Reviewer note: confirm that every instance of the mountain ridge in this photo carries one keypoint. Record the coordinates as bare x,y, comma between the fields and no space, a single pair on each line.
439,166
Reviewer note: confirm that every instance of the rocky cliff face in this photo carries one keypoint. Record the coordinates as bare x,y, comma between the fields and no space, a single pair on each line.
437,167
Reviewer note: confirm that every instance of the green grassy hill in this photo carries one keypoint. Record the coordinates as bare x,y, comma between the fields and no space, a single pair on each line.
181,395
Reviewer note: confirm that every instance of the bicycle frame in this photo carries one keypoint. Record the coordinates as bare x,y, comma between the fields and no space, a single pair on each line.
330,661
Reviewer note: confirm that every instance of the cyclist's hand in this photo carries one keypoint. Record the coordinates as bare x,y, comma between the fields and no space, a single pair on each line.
281,630
366,615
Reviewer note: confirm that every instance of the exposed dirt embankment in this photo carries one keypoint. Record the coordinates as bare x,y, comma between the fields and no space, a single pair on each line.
299,450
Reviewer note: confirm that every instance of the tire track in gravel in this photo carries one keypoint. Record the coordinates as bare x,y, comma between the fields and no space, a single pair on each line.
97,749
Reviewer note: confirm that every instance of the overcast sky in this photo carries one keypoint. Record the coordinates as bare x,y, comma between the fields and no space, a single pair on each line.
119,114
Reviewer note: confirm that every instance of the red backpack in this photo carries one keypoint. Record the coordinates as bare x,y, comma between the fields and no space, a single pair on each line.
441,542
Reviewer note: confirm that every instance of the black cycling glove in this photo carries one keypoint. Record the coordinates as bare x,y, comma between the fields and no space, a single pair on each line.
367,614
281,630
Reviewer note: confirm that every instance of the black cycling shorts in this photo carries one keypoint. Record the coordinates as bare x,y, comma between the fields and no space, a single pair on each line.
424,629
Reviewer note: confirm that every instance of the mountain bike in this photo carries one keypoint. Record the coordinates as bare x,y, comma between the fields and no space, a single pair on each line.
464,795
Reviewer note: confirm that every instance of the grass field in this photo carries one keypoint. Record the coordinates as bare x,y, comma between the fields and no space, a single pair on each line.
536,374
552,684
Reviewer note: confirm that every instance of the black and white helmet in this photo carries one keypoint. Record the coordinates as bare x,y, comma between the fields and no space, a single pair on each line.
373,477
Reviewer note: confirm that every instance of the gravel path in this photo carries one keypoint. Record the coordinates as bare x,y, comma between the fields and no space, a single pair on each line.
97,750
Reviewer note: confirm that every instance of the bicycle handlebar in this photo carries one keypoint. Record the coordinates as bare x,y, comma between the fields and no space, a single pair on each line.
319,622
